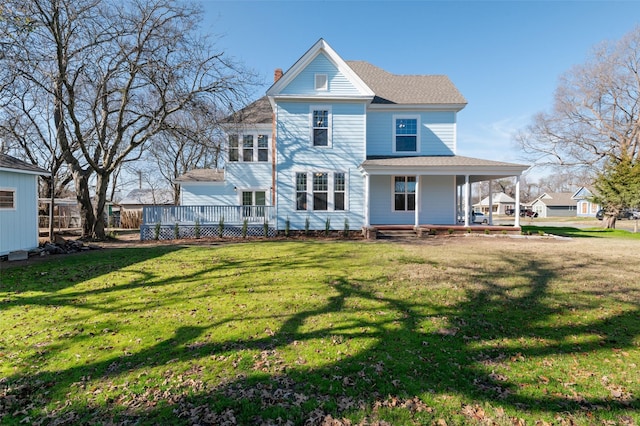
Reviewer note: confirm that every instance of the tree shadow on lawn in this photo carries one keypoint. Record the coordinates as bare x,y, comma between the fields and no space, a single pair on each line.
431,350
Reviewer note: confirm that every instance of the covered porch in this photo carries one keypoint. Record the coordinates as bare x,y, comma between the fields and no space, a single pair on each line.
430,192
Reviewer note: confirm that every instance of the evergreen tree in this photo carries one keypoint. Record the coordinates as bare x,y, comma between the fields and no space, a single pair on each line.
618,188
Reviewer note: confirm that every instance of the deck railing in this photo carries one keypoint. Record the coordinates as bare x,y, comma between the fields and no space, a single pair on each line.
229,215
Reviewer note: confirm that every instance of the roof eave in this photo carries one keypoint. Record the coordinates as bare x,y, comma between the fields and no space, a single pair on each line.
418,107
25,172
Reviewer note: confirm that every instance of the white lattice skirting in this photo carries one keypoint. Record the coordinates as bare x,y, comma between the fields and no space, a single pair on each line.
173,232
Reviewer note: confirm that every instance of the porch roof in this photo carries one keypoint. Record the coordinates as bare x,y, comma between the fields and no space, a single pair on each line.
478,169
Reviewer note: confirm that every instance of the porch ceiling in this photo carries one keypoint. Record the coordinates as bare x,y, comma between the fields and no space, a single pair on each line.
477,169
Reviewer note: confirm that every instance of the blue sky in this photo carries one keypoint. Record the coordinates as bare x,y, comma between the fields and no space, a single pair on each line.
504,56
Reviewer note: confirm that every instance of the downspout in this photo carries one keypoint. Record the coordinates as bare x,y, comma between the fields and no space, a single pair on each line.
277,75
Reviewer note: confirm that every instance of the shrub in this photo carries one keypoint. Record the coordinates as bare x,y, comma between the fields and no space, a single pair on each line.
221,227
345,231
245,225
196,228
266,228
287,227
156,231
306,226
327,227
176,231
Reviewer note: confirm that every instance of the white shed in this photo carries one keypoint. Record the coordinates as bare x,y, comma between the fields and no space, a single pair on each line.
18,204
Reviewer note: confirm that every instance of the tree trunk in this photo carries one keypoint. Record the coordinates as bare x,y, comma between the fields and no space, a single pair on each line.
609,222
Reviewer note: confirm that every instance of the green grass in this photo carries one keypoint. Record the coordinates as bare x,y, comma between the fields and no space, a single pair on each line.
469,331
567,231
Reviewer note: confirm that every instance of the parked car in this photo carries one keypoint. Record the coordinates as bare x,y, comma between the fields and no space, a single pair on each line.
479,217
528,213
623,214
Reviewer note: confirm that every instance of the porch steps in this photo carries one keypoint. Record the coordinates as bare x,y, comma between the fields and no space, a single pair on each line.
396,234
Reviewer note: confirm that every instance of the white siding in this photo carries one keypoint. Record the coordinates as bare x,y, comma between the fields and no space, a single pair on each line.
19,226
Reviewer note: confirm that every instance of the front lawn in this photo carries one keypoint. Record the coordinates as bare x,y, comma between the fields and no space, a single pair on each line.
460,330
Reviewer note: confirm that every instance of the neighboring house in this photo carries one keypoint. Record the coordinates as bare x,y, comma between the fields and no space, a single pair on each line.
585,207
18,204
500,202
338,142
555,204
138,198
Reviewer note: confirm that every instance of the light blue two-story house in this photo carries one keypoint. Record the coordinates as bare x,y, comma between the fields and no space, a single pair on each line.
338,142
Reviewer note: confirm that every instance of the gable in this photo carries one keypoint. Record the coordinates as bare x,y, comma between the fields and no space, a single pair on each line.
299,80
338,83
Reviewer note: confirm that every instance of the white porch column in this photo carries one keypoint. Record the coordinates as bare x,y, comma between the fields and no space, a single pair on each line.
467,198
417,210
516,213
367,218
491,202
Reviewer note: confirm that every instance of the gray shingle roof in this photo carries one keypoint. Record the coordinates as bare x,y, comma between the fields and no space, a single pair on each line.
147,196
201,175
557,199
9,162
257,112
407,89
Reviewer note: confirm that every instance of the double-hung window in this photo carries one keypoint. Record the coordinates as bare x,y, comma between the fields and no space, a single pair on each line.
234,154
321,126
326,190
405,134
404,193
7,199
320,191
255,147
301,191
339,186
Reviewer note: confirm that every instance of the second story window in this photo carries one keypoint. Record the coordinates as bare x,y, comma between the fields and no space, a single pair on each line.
255,147
405,134
247,148
233,148
320,125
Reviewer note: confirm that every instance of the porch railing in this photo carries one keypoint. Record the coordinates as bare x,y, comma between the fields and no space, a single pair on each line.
230,215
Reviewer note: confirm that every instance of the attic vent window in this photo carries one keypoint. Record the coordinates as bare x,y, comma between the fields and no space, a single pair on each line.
322,82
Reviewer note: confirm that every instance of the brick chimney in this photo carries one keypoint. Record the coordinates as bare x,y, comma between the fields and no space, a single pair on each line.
277,74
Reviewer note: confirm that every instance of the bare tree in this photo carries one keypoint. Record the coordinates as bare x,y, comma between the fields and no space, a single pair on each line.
110,75
596,113
190,140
